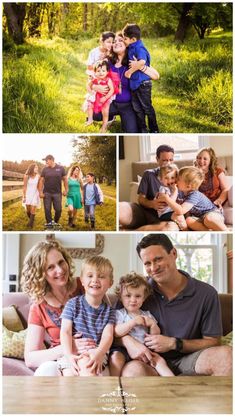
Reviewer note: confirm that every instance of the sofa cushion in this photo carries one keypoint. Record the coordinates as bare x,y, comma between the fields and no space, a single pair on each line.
13,343
15,367
11,319
228,339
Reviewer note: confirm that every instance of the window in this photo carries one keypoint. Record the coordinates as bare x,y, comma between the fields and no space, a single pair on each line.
202,255
185,145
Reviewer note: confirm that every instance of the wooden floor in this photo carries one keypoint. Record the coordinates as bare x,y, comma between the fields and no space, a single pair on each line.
109,395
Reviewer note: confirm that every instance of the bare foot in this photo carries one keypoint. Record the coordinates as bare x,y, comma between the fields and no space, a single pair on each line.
103,128
89,122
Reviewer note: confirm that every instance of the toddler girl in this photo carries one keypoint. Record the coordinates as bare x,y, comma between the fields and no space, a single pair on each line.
101,102
131,320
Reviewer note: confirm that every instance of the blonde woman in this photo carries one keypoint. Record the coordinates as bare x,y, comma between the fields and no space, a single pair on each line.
31,198
47,277
75,193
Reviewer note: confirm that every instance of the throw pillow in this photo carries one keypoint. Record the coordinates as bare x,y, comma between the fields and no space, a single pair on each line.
13,343
11,319
228,339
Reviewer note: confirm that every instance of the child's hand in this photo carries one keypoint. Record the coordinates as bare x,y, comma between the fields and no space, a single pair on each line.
72,359
96,360
218,203
140,320
103,99
149,322
128,74
163,196
101,203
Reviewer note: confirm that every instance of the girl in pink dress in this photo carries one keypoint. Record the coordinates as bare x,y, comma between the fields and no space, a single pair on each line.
101,103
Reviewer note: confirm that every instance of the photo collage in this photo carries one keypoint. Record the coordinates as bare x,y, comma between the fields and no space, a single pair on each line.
117,208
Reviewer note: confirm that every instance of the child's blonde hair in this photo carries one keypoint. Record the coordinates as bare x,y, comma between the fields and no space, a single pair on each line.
164,170
133,280
100,263
192,176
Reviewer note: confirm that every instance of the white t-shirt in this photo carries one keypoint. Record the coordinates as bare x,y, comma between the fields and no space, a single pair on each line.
138,332
94,55
165,190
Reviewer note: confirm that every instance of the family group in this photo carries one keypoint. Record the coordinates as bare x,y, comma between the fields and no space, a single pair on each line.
120,82
189,198
166,324
48,185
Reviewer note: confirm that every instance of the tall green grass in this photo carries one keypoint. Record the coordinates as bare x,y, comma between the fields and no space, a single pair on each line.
44,85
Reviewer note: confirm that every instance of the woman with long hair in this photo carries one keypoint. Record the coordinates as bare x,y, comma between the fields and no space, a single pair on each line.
75,193
31,198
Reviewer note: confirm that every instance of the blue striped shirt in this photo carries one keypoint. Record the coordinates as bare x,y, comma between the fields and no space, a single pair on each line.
86,319
201,204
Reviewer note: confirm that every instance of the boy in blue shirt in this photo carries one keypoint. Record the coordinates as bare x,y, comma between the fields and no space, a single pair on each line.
140,83
92,196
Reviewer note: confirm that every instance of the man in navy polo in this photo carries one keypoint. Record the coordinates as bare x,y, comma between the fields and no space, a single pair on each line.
140,83
50,189
188,314
133,215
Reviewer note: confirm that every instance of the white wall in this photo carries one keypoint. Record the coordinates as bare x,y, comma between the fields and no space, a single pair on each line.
131,150
222,144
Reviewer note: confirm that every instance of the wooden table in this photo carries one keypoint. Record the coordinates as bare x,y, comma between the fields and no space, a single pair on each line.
180,394
108,395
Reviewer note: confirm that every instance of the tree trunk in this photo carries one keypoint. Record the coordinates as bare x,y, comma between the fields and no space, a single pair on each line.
15,14
184,22
85,14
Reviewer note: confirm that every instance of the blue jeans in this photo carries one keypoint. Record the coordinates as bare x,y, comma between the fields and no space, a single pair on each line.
127,115
142,104
90,212
54,199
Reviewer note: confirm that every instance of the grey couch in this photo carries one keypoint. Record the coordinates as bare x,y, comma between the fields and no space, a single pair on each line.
12,366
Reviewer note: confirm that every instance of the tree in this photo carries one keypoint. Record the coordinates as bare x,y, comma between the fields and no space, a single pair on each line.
96,154
184,20
34,19
206,16
15,14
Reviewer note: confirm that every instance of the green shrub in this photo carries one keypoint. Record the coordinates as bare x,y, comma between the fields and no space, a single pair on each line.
215,96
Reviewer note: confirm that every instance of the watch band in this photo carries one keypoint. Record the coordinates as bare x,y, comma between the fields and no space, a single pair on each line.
179,344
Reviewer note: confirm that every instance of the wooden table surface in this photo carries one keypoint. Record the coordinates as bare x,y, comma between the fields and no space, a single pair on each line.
103,395
180,394
59,395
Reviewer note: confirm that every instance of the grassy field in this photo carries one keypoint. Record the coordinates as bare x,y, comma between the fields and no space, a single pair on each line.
15,218
44,86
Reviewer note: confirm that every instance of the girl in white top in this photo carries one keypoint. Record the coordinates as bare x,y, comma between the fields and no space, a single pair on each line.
31,199
100,52
131,320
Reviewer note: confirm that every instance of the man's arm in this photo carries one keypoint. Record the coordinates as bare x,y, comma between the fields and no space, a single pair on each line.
160,343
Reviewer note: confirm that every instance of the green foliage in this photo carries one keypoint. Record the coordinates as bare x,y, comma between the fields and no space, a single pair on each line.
215,94
15,219
44,85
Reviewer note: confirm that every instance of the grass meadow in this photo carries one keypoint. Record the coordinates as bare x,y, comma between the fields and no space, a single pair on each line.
15,218
44,85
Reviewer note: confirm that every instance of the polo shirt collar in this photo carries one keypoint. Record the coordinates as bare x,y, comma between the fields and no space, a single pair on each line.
188,291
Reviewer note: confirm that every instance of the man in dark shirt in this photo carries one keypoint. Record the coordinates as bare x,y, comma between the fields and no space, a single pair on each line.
132,215
50,188
188,314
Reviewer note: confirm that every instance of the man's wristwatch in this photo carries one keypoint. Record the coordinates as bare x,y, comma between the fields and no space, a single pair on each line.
179,345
